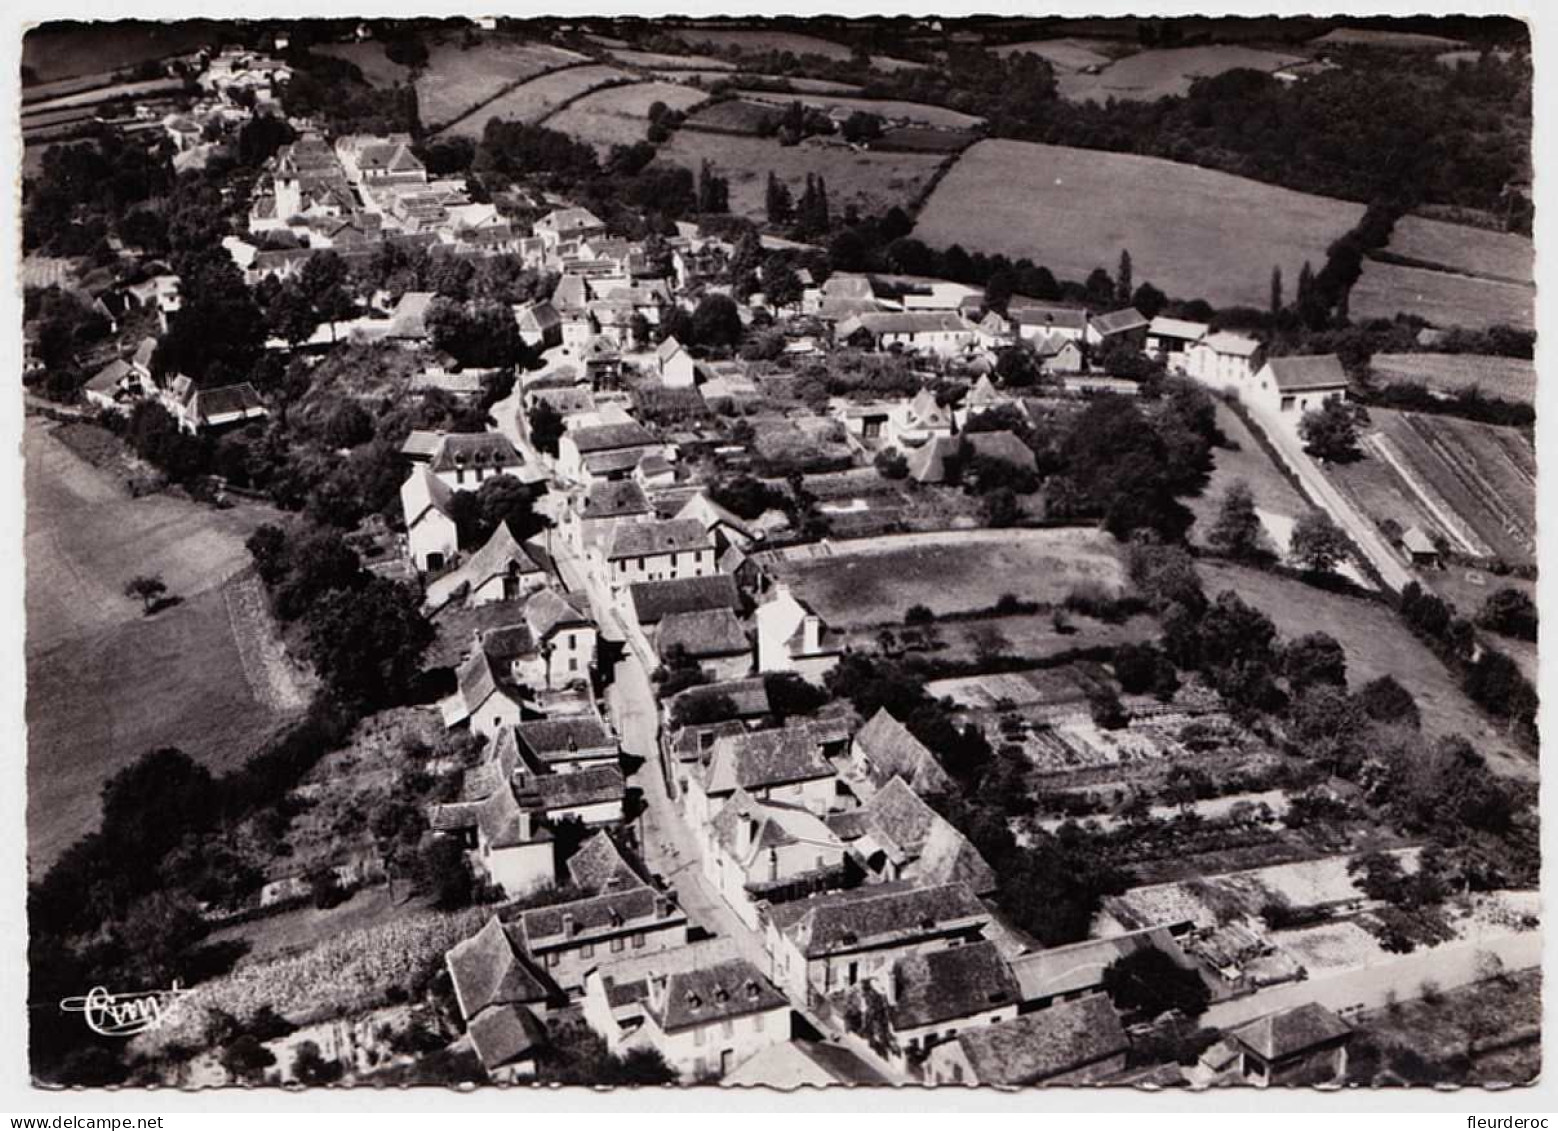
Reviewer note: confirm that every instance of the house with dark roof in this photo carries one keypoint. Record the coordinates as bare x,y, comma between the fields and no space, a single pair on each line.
604,451
744,700
540,325
486,697
759,852
1065,973
1287,387
567,743
709,1020
490,972
652,601
590,519
712,638
509,1041
504,569
466,460
598,866
934,995
1299,1047
568,940
507,844
1079,1042
784,764
897,836
213,410
1127,325
657,550
836,941
884,749
591,795
432,538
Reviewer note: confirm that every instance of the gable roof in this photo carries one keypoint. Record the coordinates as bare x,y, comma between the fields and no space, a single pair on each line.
424,492
1296,374
547,610
610,437
945,985
616,911
613,498
654,600
1164,327
1004,446
1028,312
410,317
1119,321
1292,1031
702,634
648,539
499,555
928,462
505,1035
700,508
776,826
461,450
750,696
668,349
1236,345
908,830
1038,1046
598,865
876,915
487,970
762,759
593,785
892,751
554,739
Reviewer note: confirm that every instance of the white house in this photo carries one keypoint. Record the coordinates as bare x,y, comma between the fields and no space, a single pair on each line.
1287,387
917,421
568,940
792,638
606,451
657,551
1224,360
706,1022
675,365
567,224
942,333
466,460
1170,339
1035,320
785,764
502,570
431,536
768,851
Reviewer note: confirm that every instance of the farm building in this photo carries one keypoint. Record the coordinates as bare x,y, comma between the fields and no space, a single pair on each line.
1034,320
942,333
431,537
1288,387
1303,1046
1170,339
1123,325
1079,1042
1224,360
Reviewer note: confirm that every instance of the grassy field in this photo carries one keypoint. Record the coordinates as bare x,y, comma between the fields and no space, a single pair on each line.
1166,72
759,40
619,115
1377,643
1191,232
60,51
1370,37
1033,637
369,58
106,684
1476,483
878,582
740,116
1441,298
1063,54
532,101
1502,256
873,181
918,112
656,60
1249,463
459,79
1511,378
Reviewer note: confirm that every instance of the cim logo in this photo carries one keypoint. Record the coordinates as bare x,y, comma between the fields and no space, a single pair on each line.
124,1015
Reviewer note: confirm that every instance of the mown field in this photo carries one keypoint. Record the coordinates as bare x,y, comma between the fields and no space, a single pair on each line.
879,581
619,115
1474,482
1370,37
1510,378
655,59
873,181
1191,232
459,79
105,683
532,101
1470,251
1377,643
1441,298
1062,54
737,116
918,112
1166,72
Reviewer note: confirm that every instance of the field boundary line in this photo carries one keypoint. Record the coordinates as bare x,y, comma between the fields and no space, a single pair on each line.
1386,449
435,130
611,84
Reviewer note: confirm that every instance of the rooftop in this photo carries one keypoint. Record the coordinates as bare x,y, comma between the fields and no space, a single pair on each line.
1038,1046
945,985
877,915
705,633
655,600
1296,374
730,989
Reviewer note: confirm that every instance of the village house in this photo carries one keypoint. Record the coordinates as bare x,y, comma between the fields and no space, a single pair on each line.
606,451
466,460
567,743
757,852
1127,325
486,698
1300,1047
674,365
592,795
568,940
897,836
932,996
589,521
504,840
212,410
431,536
539,324
1169,340
918,421
713,639
601,356
838,940
884,749
1057,353
785,764
598,865
940,333
1224,360
1065,973
565,637
1420,548
650,602
1288,387
708,1020
567,225
1080,1042
929,462
497,993
745,699
793,638
657,551
504,569
1035,320
725,528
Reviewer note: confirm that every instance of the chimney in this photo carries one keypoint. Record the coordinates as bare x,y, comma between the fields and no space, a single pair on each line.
662,907
746,831
526,833
570,925
812,637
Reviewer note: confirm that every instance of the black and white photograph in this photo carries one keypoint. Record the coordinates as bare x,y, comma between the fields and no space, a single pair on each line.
954,552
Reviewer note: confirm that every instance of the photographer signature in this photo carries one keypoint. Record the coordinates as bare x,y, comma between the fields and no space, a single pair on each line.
124,1015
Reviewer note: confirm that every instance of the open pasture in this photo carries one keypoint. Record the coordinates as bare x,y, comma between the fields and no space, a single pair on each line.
1377,37
458,80
660,61
1509,378
105,683
1166,72
535,99
920,113
1065,55
1189,230
757,41
1441,298
873,181
64,51
1377,643
377,68
878,581
1503,256
619,115
734,116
